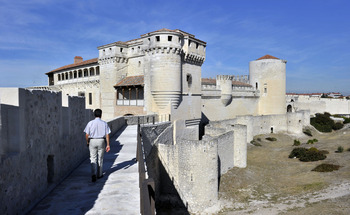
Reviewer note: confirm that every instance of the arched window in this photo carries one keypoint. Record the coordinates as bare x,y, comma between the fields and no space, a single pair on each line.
256,85
59,77
92,72
289,108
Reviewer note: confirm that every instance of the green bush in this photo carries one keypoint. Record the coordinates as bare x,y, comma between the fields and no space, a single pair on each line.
322,122
312,155
297,152
315,140
259,139
337,126
326,168
271,138
296,143
310,142
307,132
307,155
340,149
346,120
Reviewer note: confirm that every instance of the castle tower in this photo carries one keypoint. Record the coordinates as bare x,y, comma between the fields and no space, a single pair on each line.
268,75
113,67
224,82
163,55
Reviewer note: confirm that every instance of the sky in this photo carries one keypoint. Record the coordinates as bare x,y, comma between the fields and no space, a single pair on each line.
37,36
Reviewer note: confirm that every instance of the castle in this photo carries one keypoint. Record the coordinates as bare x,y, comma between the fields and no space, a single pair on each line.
209,121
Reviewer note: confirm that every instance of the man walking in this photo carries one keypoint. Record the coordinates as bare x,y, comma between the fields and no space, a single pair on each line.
97,133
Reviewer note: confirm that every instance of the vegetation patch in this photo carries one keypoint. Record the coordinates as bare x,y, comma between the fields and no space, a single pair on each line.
326,168
271,138
255,143
307,132
340,149
296,143
306,155
312,141
323,123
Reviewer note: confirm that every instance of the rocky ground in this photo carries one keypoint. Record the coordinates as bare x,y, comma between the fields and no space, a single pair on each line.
272,183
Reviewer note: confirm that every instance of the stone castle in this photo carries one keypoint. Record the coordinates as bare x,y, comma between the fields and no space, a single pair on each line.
207,122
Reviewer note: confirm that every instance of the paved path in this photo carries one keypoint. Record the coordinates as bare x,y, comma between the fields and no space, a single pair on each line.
116,193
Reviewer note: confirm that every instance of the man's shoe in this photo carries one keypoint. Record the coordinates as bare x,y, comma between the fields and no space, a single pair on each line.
93,178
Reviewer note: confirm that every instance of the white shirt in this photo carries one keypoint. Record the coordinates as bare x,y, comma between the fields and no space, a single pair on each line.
97,128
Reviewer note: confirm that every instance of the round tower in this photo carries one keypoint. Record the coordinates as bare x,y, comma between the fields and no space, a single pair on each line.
163,51
268,76
224,83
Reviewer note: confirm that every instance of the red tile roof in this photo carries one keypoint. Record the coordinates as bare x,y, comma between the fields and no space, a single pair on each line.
267,57
83,63
131,81
212,81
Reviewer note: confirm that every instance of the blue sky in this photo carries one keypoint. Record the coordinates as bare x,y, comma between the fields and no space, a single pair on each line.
37,36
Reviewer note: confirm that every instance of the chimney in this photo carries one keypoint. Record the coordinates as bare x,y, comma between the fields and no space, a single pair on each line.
78,59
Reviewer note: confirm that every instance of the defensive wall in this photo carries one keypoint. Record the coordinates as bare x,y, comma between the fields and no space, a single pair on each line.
41,142
318,105
291,123
190,169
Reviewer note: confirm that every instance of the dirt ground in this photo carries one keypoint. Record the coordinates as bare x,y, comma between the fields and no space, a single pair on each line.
272,183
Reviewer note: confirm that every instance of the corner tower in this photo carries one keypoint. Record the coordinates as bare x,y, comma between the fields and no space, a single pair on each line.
268,75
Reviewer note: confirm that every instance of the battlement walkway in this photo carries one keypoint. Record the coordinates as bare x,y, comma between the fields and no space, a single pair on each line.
116,193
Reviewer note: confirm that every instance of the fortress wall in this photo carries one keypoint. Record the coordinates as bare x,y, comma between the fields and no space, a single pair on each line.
290,123
214,109
195,164
319,105
41,142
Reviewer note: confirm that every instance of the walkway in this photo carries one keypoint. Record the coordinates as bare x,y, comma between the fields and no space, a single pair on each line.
116,193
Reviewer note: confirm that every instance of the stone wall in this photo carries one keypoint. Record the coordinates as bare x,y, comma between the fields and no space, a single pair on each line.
292,123
318,105
41,143
191,167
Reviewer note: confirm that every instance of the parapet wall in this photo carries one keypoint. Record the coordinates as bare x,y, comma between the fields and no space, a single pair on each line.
292,123
41,142
318,105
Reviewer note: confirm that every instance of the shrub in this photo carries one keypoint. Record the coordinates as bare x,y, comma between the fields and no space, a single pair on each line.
340,149
297,152
271,138
337,126
306,155
307,132
326,168
324,152
259,139
310,142
322,122
315,140
255,143
346,120
296,143
312,155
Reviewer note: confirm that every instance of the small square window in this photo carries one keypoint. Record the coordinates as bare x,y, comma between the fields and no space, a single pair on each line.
170,38
157,38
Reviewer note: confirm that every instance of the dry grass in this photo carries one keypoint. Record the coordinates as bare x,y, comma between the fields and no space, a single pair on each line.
272,178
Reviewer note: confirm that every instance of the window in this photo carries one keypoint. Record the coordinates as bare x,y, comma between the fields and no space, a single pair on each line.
197,45
170,38
121,49
256,85
189,80
75,74
82,94
90,98
59,77
265,90
157,38
139,63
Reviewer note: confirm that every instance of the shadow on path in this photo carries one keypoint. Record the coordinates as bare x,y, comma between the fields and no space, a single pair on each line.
77,194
